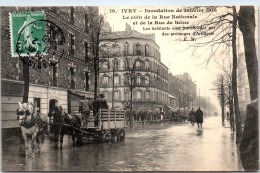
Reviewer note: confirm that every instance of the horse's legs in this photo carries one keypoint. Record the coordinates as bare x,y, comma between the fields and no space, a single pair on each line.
26,144
34,135
73,138
56,136
40,142
61,139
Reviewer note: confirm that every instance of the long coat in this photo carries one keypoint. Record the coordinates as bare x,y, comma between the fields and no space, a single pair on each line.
199,116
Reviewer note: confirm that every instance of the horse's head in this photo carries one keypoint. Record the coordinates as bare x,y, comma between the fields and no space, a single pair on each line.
24,111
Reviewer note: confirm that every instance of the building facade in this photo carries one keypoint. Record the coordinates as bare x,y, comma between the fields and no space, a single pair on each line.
183,91
136,56
62,84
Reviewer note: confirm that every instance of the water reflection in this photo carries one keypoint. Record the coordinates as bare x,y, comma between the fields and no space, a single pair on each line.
150,147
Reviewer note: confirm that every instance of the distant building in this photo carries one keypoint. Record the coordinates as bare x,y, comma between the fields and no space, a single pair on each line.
63,84
184,91
140,52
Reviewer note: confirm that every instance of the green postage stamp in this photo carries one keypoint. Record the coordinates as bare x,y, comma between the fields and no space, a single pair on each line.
28,33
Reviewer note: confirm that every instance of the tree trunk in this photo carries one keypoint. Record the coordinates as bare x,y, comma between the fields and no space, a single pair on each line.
26,79
96,78
247,26
234,78
232,124
222,101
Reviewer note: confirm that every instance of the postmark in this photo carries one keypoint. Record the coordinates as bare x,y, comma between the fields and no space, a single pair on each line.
35,38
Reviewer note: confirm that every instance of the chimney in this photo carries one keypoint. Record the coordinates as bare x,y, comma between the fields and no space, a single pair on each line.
128,28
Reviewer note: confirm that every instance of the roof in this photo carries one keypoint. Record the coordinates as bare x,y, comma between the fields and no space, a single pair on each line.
125,35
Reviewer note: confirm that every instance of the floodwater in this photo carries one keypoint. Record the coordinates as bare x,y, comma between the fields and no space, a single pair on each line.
150,147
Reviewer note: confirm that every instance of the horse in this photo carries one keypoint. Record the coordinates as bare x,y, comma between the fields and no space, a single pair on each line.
66,124
34,126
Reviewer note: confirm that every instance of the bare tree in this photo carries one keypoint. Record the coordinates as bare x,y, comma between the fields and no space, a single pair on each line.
96,23
131,81
247,24
224,28
234,76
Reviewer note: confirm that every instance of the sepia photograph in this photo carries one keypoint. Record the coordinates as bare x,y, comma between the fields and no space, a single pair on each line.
129,88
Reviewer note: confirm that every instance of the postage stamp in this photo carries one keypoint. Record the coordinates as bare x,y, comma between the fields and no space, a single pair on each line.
35,37
28,30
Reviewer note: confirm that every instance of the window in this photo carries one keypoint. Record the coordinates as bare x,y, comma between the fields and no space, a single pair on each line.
53,42
72,45
126,49
138,64
139,95
106,94
147,80
116,95
127,96
146,50
86,22
116,80
37,104
138,80
72,80
127,80
54,75
147,95
86,51
146,64
87,81
106,65
117,64
105,80
138,49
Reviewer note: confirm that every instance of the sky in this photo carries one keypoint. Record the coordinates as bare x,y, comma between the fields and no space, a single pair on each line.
173,52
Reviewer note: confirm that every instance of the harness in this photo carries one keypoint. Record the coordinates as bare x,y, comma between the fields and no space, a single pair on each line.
34,120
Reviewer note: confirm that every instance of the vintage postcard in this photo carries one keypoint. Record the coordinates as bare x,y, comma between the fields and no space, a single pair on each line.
129,88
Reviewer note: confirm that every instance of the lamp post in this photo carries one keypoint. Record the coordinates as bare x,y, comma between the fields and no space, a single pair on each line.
113,74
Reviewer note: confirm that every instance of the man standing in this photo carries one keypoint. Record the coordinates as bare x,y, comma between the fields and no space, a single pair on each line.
102,102
99,103
199,118
85,110
192,116
95,107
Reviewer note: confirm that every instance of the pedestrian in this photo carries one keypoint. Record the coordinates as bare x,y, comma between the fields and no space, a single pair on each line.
192,116
85,111
134,115
102,102
55,113
228,115
199,118
161,115
95,108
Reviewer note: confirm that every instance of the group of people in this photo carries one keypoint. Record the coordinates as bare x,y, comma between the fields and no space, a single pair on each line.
85,108
143,116
196,117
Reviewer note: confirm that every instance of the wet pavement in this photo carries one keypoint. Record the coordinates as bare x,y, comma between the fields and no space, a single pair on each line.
150,147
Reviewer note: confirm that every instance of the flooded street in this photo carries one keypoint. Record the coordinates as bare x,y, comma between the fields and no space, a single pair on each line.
150,147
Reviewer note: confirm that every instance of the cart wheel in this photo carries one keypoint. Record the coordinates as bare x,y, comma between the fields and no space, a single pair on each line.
107,137
98,137
121,135
113,136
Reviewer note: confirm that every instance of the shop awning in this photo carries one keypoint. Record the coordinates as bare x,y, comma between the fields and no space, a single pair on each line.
86,94
172,108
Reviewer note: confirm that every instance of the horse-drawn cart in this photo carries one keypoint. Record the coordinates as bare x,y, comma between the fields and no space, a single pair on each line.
110,127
